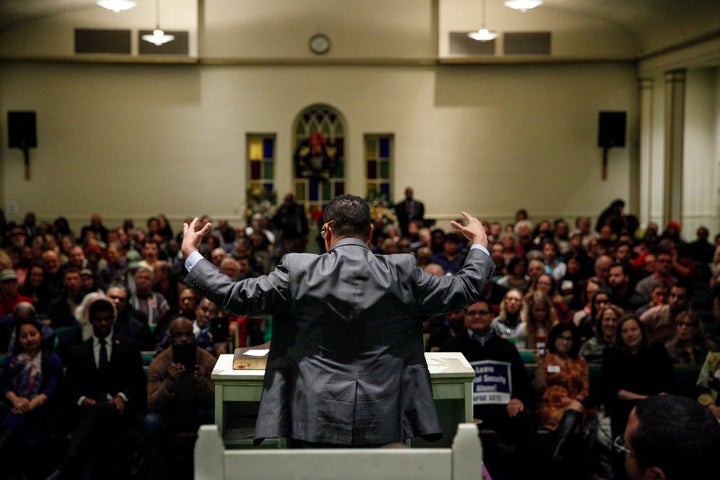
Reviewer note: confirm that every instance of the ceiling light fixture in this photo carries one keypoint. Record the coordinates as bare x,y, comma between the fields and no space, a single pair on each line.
523,5
483,35
158,37
116,6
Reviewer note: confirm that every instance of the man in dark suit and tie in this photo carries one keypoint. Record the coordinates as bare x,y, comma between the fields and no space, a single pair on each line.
105,384
409,210
346,364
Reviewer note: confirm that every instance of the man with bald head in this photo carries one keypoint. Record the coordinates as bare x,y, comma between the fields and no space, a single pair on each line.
179,400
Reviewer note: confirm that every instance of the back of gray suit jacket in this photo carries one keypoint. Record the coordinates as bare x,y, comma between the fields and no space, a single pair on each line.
346,363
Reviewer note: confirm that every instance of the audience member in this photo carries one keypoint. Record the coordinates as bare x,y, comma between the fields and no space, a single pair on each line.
708,384
152,304
106,386
30,380
599,298
670,438
516,277
96,227
179,401
444,327
291,227
61,309
409,210
563,381
51,266
127,316
701,251
504,403
634,369
451,258
612,217
508,322
546,284
583,227
660,320
605,329
689,345
622,292
9,294
661,274
538,316
552,261
659,294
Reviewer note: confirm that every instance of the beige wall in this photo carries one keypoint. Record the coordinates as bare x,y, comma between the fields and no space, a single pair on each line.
135,140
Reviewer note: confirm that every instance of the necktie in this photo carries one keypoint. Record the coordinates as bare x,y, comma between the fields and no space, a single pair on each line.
103,364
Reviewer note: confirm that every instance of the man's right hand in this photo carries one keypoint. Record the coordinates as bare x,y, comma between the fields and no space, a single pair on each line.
192,237
473,231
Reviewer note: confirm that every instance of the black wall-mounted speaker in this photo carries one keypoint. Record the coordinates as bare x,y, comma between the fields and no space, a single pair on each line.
611,129
21,130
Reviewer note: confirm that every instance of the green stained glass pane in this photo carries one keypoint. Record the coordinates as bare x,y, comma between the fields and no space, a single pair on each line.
268,169
340,170
339,129
372,190
300,191
326,191
384,169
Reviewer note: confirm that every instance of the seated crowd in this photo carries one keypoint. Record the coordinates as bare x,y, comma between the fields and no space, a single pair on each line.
90,327
78,313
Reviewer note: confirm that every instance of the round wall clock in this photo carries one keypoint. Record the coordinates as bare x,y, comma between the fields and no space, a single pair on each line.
319,43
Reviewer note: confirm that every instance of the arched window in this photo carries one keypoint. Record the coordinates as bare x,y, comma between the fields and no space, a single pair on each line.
319,156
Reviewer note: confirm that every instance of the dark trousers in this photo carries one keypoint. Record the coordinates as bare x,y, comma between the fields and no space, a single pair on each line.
520,431
170,441
97,444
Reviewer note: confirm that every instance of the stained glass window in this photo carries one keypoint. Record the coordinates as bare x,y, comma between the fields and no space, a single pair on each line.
318,156
261,169
378,162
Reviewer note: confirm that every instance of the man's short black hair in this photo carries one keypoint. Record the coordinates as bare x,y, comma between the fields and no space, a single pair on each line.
100,306
678,435
349,214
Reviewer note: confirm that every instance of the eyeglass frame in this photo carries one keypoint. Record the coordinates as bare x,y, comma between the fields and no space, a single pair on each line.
323,230
619,446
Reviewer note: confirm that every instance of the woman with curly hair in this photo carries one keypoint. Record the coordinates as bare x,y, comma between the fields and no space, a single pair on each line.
606,321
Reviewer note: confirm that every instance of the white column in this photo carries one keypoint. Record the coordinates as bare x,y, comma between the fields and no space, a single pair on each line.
646,89
674,130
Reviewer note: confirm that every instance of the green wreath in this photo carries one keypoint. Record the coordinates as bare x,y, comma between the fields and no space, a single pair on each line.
316,158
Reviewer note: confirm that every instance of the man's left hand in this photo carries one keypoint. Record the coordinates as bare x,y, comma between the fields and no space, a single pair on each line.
192,237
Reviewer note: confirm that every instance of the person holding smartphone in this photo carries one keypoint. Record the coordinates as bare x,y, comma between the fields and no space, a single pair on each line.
180,398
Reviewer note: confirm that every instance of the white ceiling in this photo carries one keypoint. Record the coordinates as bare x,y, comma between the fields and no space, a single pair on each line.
657,24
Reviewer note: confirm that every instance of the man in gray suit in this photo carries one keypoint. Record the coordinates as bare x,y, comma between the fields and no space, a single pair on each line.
346,364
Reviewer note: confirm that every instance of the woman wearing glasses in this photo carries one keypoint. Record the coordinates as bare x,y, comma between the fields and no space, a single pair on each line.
689,345
507,323
632,371
563,381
